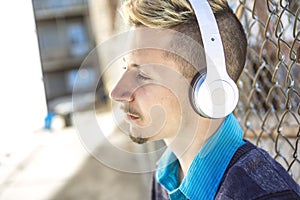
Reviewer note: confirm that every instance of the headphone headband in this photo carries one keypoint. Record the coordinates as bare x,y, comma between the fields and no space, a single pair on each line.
212,42
215,94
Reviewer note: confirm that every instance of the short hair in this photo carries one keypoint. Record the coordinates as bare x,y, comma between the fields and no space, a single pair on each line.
178,15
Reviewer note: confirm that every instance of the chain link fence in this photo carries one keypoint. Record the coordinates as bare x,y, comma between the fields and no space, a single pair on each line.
269,108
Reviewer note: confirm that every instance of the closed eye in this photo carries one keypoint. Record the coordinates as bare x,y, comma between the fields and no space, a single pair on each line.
142,77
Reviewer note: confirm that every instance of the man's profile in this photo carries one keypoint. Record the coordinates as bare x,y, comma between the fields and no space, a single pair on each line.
207,156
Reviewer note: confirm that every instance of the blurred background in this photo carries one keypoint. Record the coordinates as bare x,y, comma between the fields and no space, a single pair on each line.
44,43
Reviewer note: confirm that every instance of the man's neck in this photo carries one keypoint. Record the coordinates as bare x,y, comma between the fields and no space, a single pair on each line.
188,143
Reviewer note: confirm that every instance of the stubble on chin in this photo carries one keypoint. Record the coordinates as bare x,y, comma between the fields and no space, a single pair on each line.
138,140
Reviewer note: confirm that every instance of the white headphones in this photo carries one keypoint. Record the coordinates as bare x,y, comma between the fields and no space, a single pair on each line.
213,94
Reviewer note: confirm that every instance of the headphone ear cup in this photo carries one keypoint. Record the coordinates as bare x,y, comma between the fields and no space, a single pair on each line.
214,100
194,89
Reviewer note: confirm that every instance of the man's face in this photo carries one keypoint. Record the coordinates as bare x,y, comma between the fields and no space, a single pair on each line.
152,93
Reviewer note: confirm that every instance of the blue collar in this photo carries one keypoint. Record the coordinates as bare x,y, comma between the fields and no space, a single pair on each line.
207,168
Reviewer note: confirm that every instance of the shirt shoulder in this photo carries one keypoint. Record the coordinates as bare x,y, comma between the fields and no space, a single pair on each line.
254,174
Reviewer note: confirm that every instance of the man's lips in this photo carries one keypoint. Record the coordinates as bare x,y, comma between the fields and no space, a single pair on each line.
131,116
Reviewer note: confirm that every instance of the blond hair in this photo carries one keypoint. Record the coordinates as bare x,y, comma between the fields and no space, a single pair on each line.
179,15
163,14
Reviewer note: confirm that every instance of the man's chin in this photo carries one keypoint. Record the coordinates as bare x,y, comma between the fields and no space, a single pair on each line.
138,140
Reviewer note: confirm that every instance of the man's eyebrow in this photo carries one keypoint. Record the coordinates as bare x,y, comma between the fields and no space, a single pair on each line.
134,65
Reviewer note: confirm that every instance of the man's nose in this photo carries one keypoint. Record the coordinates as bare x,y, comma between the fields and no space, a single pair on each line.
123,91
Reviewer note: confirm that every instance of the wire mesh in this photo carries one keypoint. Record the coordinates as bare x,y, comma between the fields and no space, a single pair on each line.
269,108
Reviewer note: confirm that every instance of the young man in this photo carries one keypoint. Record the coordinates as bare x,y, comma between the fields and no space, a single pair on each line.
207,158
